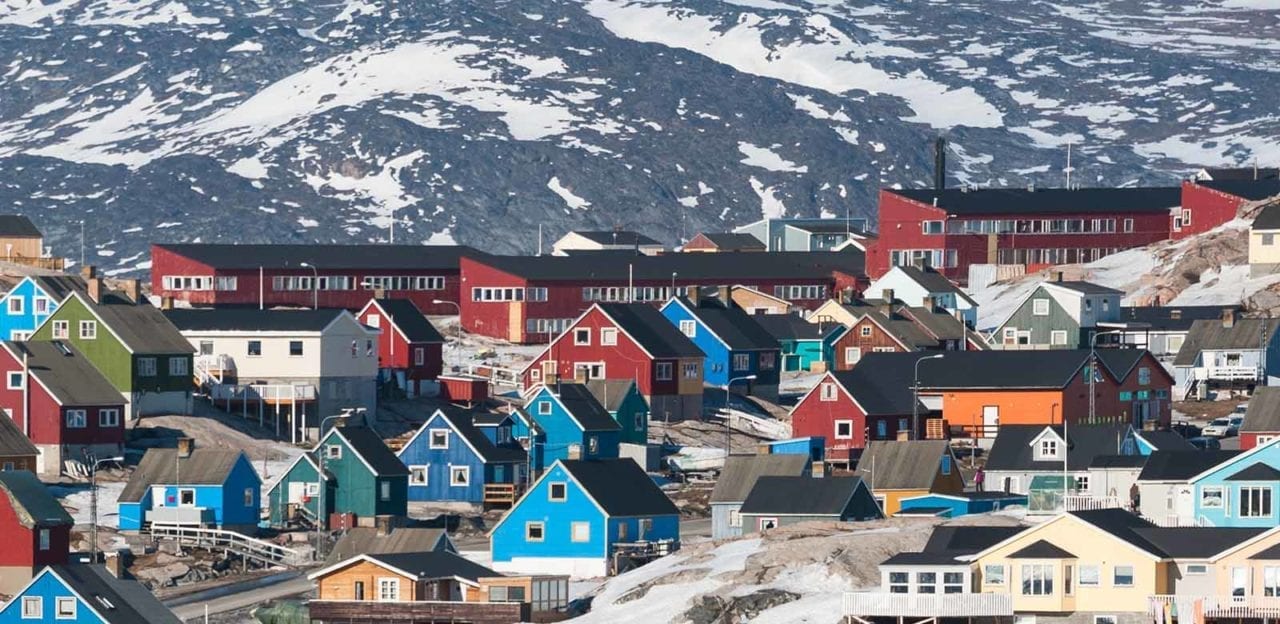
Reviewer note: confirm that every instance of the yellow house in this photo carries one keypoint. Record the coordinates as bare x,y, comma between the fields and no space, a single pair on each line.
898,469
1264,241
1094,563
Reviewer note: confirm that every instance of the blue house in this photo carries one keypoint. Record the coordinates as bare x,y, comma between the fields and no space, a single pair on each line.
1242,491
575,514
192,487
569,423
735,344
84,594
450,459
959,504
804,346
496,426
32,301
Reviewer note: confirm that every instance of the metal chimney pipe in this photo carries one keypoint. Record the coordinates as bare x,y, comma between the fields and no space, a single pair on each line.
940,164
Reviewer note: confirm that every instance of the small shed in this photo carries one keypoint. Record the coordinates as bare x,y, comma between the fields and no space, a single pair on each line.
736,482
812,446
464,389
960,504
782,501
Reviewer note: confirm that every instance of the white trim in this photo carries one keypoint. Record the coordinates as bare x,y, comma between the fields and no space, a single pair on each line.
839,385
696,319
595,306
440,413
62,581
1058,518
532,488
1232,460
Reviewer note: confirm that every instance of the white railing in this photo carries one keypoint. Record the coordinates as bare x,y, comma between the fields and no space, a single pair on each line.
1229,373
1081,502
1184,608
880,604
496,375
210,368
1174,520
262,392
236,542
178,516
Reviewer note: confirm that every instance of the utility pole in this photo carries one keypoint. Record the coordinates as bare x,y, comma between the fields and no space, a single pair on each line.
93,501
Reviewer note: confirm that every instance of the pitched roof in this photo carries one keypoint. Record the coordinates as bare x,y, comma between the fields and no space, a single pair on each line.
31,500
880,391
1211,334
141,327
1165,440
802,496
1085,288
1118,461
979,369
1040,549
251,319
1263,414
792,327
722,267
902,464
435,565
369,445
489,452
737,329
323,257
1181,465
1256,472
902,329
18,226
366,540
1222,174
410,320
1269,554
620,487
946,543
616,237
610,393
583,407
1161,318
741,472
734,241
1123,525
1195,542
937,323
1022,201
14,443
1268,218
117,601
934,281
651,329
59,286
1012,449
1249,190
205,466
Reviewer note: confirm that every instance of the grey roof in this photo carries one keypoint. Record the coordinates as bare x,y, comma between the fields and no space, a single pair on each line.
793,327
1123,525
1196,542
610,393
1118,461
621,487
976,369
489,419
251,319
922,558
59,286
1223,174
406,316
948,542
205,466
1269,554
1012,448
1162,318
14,443
903,329
323,257
117,601
141,327
1211,334
902,464
1165,440
616,237
1268,218
1263,414
1257,472
66,373
369,445
651,329
804,496
436,565
18,226
1250,190
881,391
366,540
1086,288
1041,549
1181,465
584,407
741,472
935,282
31,501
1022,201
737,329
938,324
734,241
489,452
725,267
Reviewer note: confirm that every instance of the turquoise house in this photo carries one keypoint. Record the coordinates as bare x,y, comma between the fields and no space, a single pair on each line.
569,423
1242,491
33,300
622,399
362,477
805,346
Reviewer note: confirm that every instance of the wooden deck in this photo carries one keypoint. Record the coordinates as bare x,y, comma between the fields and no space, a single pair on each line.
371,612
499,495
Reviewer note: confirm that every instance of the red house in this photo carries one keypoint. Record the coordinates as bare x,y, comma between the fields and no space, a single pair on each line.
410,349
36,530
1206,204
831,410
61,402
533,299
1262,419
325,276
953,228
626,341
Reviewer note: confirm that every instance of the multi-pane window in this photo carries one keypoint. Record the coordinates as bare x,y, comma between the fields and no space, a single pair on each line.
689,370
608,337
88,330
497,294
61,330
800,291
1144,376
768,360
828,392
741,361
66,608
109,417
188,282
662,371
388,589
76,419
147,367
1271,581
1037,579
1040,307
952,582
547,326
1255,501
926,582
899,582
402,282
178,367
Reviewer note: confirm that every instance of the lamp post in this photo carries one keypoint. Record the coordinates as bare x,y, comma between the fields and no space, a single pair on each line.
93,500
455,306
1093,373
728,431
321,520
915,396
315,284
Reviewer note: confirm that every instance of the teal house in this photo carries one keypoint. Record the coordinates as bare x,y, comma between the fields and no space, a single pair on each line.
1241,491
805,346
361,477
622,399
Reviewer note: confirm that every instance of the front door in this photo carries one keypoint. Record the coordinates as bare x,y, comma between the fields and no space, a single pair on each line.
359,590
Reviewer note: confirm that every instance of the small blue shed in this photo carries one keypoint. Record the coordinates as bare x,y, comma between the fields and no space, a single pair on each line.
193,487
569,423
450,459
813,446
961,504
575,515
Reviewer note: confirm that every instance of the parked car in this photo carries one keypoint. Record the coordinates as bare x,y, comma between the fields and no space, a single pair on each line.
1205,444
1185,429
1218,428
1236,421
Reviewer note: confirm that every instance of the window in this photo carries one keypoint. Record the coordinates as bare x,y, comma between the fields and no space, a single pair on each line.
295,348
333,451
582,337
768,360
899,582
178,367
1040,307
544,408
741,361
109,417
147,367
60,330
15,380
419,356
828,391
355,349
1082,483
439,439
16,305
506,594
1271,581
417,475
946,464
593,445
1255,501
368,348
41,305
1058,337
224,282
388,589
1144,376
844,429
534,531
1268,239
186,497
1239,581
926,582
1037,580
76,419
66,608
384,490
864,331
852,355
88,330
580,531
1049,447
44,539
1104,619
931,227
460,476
1122,576
32,607
557,491
953,582
689,370
1128,225
1213,497
992,574
662,371
1197,568
608,337
766,524
688,328
248,497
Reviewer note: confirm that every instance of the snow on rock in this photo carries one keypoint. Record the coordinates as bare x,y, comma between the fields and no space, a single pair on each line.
251,168
766,158
570,200
771,207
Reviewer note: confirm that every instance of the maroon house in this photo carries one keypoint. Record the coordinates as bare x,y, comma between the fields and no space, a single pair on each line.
327,276
67,406
410,349
626,341
1206,204
848,410
36,530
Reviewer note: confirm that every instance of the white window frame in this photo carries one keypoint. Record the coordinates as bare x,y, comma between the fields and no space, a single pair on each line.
384,491
443,444
689,370
178,366
45,309
827,392
864,331
689,328
1115,575
542,528
1242,496
987,576
454,471
388,589
608,336
61,330
333,451
852,355
544,408
1058,337
18,310
582,337
1048,447
564,491
32,608
663,371
844,422
88,330
741,362
1222,496
422,469
1085,571
77,419
762,521
1040,307
146,367
1030,571
64,607
735,518
15,376
580,532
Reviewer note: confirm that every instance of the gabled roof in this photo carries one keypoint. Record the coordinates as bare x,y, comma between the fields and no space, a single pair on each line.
1181,465
1268,218
1196,542
252,319
731,324
59,286
1244,334
1084,288
1243,174
1161,318
142,328
18,226
937,323
1256,472
205,466
723,267
1022,201
902,330
425,565
620,487
902,464
366,540
793,327
934,281
1165,440
14,443
31,501
734,241
1013,451
616,237
1249,190
610,393
372,450
973,370
801,496
116,601
1123,525
583,407
1041,549
463,425
1263,414
323,257
648,327
742,471
405,316
878,391
948,542
1135,462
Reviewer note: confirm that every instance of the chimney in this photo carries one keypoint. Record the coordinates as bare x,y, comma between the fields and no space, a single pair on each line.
940,164
379,293
88,272
1175,314
94,287
927,303
185,447
886,304
694,294
725,293
887,295
166,302
132,289
115,564
384,525
1229,318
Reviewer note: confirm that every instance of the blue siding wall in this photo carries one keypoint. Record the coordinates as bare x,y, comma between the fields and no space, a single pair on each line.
1230,513
233,510
559,431
660,528
28,320
49,588
226,503
131,514
440,462
960,507
716,364
508,539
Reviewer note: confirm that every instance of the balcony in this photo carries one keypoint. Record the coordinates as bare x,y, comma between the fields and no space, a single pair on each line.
881,604
1227,373
1185,608
182,516
1077,502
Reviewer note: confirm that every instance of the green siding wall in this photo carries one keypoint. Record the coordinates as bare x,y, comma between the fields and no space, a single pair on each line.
1041,326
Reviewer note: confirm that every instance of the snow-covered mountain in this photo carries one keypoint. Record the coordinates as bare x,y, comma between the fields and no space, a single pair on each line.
478,120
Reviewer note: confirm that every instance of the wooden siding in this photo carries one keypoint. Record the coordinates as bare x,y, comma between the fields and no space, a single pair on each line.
1041,327
419,612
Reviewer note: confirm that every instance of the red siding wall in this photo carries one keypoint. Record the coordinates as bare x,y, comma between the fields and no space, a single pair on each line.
47,423
626,360
394,352
1208,208
22,544
464,389
814,417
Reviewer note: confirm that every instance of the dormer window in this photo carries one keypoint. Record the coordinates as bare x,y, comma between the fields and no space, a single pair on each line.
1049,448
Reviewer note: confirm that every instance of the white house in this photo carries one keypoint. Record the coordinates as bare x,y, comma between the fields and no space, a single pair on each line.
612,240
914,285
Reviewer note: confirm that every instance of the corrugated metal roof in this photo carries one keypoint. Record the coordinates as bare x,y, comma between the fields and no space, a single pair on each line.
742,471
1263,415
31,500
141,327
69,376
365,540
205,466
1213,334
827,496
902,464
14,443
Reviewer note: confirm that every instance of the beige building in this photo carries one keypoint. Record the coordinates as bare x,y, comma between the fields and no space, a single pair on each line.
20,241
1264,241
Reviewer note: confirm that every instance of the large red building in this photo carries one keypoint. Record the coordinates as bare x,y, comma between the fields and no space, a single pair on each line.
533,299
953,228
1206,204
327,276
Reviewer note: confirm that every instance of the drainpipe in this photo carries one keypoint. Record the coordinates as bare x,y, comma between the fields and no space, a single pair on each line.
26,394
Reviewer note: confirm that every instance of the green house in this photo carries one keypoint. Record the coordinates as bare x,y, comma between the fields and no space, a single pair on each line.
622,399
362,477
1059,315
132,344
805,346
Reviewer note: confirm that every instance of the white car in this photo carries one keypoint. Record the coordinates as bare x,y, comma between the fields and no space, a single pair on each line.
1219,428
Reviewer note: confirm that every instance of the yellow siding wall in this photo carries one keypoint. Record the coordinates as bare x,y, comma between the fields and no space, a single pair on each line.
340,584
1221,569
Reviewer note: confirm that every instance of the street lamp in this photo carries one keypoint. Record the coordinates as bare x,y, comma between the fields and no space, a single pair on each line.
915,396
322,522
93,500
315,284
1093,372
673,283
728,431
455,306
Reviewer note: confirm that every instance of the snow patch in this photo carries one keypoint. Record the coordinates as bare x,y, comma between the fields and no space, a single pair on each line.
570,200
766,158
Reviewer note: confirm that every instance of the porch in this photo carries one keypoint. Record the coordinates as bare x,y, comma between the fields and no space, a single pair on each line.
859,606
285,404
1200,608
